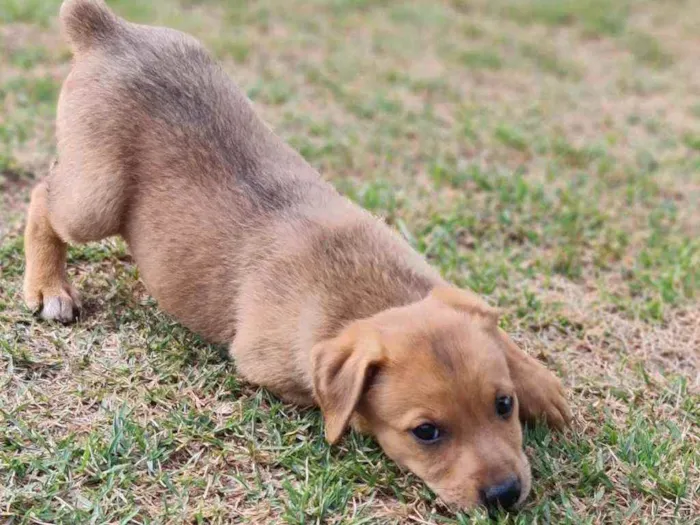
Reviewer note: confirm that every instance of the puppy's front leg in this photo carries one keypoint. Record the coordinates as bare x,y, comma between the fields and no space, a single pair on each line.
540,393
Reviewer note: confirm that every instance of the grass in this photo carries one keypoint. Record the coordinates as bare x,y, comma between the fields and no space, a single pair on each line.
544,153
36,11
594,17
648,50
481,59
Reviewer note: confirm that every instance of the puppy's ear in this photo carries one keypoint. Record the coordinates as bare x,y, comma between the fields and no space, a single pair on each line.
467,301
341,367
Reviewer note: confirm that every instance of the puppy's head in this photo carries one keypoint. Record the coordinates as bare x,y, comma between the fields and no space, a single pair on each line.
431,383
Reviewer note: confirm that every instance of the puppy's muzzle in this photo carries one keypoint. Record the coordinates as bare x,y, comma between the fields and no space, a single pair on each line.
504,495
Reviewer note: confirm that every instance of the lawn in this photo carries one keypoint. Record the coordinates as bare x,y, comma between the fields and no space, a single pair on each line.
544,153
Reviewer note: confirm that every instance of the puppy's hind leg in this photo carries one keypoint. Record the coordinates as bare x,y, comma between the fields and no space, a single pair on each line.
46,285
72,205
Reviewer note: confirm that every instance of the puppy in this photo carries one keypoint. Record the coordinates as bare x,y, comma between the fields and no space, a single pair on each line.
242,241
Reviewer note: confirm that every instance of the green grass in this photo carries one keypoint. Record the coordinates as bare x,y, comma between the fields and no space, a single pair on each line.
692,141
28,57
549,61
511,137
481,59
30,92
649,51
511,142
32,11
595,17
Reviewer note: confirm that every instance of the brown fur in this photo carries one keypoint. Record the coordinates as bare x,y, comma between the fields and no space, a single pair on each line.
241,240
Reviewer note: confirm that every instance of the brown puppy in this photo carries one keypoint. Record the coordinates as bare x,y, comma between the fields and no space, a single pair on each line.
240,239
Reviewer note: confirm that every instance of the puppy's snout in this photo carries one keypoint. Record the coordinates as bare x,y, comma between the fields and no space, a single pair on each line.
504,494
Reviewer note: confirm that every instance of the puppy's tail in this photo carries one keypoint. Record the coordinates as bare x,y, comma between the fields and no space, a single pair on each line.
87,23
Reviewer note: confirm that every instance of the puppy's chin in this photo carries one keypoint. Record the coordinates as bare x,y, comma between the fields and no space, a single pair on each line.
525,482
457,500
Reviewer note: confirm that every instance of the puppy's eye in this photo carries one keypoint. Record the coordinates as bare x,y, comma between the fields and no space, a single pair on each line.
427,433
504,406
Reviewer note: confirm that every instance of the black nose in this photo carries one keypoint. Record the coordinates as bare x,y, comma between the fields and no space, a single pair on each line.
504,494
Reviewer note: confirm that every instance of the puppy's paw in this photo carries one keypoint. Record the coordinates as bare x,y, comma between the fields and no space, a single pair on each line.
541,395
60,304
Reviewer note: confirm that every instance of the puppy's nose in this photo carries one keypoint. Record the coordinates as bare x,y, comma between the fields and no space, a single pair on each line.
504,494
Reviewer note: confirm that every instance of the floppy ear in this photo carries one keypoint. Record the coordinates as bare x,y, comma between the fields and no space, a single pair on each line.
467,301
341,367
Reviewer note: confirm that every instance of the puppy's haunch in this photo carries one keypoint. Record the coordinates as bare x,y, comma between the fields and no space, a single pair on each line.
242,241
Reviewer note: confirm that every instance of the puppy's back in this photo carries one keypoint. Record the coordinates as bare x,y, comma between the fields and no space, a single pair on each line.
153,132
156,86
